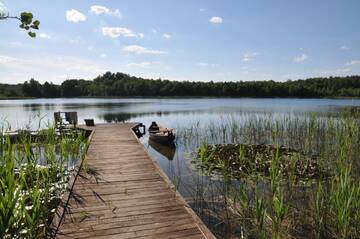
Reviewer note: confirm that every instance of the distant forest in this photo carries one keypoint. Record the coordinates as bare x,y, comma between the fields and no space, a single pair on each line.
123,85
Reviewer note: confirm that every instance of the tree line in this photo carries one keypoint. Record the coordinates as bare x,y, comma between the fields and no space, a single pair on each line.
124,85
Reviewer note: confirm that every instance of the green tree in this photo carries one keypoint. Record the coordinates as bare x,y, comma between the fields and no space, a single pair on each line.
49,90
32,88
27,22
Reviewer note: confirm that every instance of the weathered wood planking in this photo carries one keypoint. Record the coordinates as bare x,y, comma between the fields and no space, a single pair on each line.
120,192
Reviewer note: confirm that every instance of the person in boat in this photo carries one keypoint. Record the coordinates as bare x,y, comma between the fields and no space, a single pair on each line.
154,127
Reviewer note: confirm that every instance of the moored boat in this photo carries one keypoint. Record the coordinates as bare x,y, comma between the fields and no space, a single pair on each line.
161,135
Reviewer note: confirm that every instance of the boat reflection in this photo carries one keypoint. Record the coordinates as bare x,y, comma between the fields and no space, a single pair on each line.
167,151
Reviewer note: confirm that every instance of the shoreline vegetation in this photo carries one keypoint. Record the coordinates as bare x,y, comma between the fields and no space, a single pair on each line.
174,97
34,172
119,85
293,176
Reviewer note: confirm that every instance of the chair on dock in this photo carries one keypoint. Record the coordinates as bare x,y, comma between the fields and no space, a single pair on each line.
71,117
64,121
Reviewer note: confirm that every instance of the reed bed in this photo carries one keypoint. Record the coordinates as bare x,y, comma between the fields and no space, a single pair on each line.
33,177
275,203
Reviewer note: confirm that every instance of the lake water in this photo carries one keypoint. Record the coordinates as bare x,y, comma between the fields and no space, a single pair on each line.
174,113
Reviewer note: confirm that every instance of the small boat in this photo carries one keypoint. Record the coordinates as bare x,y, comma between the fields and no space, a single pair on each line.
161,135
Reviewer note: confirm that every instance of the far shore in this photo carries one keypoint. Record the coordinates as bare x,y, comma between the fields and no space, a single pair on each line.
176,97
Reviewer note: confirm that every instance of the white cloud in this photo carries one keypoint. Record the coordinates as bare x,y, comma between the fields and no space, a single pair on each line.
44,36
345,48
216,20
340,71
104,10
202,9
6,59
75,16
300,58
203,64
120,31
103,55
249,56
145,64
206,64
136,49
167,35
52,64
153,30
343,70
353,62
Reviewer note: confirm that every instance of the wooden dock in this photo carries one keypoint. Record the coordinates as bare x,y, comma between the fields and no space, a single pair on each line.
120,192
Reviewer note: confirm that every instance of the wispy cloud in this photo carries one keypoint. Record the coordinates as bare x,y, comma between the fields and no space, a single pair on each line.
153,30
340,71
249,56
216,20
136,49
6,59
167,35
206,64
145,64
97,9
120,31
300,58
345,48
353,62
75,16
52,63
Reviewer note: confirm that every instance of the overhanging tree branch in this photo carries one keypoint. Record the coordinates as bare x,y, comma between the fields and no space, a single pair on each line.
27,22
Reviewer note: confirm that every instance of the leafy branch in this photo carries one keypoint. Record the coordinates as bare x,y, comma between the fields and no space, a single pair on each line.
27,22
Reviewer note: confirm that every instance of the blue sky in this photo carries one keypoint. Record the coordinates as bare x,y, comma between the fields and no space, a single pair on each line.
202,40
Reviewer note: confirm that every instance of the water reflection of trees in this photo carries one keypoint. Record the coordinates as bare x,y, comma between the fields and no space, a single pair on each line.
125,116
100,105
120,117
38,107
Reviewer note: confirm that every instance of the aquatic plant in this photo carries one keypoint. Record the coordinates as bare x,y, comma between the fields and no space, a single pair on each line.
279,175
240,160
33,175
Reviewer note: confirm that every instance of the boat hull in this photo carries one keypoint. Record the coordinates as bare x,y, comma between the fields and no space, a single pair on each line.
162,138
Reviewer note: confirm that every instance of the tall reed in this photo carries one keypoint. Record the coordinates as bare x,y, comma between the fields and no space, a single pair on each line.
33,176
287,206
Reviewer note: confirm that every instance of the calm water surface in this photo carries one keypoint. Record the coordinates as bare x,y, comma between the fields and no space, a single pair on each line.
22,113
175,113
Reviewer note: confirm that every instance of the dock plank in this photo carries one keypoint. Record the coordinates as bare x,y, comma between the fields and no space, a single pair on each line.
120,192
